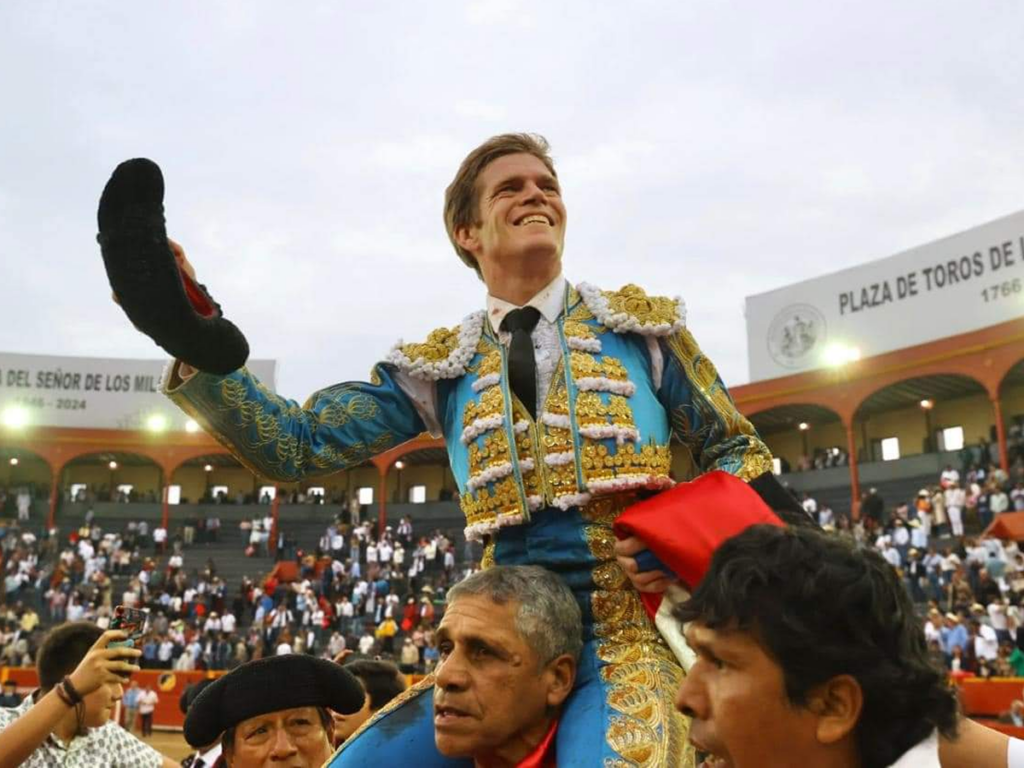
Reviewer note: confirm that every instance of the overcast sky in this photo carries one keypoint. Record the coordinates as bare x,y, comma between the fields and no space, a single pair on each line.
708,149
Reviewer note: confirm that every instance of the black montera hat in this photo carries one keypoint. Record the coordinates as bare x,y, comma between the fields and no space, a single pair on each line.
270,685
191,694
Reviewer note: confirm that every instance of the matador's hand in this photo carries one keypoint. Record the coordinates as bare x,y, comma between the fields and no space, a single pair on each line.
153,281
644,581
184,266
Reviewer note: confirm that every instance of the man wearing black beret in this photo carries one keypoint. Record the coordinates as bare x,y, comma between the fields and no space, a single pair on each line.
206,755
274,710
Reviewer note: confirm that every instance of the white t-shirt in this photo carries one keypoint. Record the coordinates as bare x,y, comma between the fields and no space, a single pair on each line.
147,702
955,498
997,615
924,754
951,562
1015,753
986,644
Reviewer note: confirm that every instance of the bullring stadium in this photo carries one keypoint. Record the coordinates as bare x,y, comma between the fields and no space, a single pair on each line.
867,385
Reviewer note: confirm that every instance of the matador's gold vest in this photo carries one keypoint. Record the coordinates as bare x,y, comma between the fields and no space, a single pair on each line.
600,430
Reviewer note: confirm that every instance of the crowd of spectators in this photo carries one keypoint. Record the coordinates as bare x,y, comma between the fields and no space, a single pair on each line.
969,589
377,596
381,595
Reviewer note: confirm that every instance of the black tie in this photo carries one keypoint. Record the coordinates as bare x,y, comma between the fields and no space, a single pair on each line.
522,368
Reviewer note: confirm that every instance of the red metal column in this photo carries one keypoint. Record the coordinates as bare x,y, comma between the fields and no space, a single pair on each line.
851,449
1004,456
51,518
165,512
382,502
275,513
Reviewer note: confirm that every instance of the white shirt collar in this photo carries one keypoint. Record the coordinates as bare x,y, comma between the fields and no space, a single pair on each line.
209,757
924,754
548,301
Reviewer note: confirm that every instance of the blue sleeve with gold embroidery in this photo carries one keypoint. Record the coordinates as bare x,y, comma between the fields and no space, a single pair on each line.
703,416
339,427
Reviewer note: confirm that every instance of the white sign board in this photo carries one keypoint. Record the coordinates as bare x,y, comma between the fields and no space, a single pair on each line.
961,283
93,392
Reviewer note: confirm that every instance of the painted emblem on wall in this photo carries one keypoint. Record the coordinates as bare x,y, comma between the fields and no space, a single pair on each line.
797,336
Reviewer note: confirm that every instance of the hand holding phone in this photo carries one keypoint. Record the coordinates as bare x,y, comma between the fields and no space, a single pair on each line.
131,621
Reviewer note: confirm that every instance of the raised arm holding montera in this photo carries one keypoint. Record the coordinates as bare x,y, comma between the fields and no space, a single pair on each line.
153,282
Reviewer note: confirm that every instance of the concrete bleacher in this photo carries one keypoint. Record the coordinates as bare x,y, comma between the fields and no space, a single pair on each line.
227,553
303,524
896,481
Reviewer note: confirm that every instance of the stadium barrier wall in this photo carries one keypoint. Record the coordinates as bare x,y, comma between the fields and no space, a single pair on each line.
168,684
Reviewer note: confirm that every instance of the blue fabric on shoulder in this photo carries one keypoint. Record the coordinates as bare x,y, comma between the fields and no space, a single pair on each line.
403,736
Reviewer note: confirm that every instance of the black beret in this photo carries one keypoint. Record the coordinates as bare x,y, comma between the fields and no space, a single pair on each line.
270,685
189,694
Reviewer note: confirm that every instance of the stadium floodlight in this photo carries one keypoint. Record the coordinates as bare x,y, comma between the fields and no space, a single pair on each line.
112,465
927,404
156,423
838,354
804,426
15,417
14,461
191,425
208,468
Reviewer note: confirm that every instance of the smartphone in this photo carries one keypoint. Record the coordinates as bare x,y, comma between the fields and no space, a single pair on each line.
130,620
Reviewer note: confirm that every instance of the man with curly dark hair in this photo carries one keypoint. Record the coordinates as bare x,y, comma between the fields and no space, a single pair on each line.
809,653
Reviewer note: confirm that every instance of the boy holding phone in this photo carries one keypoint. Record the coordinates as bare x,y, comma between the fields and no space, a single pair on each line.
67,721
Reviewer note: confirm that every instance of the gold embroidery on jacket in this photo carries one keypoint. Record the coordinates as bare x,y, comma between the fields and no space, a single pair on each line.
484,506
560,478
648,310
491,403
637,667
438,347
267,448
713,408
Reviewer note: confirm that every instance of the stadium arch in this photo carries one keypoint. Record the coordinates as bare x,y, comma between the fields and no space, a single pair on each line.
25,468
988,357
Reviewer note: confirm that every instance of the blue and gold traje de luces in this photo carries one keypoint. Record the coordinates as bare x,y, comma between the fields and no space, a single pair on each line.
542,491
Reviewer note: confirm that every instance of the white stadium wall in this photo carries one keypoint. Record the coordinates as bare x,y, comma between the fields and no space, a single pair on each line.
93,392
958,284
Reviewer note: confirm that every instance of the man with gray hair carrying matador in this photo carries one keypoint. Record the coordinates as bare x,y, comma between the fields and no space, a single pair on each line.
509,645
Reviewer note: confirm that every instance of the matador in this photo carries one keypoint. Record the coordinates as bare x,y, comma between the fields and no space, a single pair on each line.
558,404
